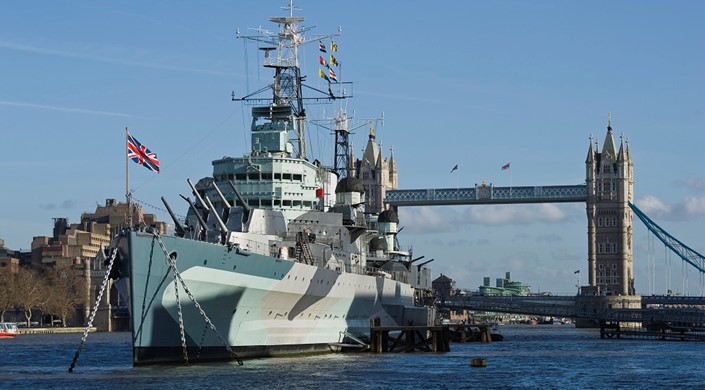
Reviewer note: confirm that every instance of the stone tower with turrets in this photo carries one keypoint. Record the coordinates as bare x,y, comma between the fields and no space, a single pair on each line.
376,174
610,188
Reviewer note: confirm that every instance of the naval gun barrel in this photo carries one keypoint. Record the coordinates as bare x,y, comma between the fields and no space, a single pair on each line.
221,224
239,197
222,197
197,195
201,222
424,263
417,259
180,231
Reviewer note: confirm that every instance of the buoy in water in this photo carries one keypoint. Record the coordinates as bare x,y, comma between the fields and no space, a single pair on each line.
478,362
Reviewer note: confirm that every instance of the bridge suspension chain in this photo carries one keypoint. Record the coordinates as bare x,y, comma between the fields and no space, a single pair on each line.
686,253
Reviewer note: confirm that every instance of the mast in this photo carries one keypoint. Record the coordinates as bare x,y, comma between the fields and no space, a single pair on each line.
287,102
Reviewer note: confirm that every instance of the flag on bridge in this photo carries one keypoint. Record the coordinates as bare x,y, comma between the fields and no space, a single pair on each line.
455,168
577,272
505,166
141,155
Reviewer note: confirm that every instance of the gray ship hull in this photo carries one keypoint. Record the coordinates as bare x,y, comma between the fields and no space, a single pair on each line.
259,305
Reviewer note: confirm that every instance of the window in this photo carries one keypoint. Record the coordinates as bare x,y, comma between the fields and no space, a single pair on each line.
297,177
614,266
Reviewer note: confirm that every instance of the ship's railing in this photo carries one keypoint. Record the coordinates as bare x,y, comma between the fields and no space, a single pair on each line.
394,275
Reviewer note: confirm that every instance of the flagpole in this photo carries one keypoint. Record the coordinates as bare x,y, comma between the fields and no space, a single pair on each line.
127,180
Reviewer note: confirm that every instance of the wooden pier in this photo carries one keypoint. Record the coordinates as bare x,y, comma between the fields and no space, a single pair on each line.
422,338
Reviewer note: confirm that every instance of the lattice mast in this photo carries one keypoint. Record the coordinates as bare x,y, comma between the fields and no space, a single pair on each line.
288,81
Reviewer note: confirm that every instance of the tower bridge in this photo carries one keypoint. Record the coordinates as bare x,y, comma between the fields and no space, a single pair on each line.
607,192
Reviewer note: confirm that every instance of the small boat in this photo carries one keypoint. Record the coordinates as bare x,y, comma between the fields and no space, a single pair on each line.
8,330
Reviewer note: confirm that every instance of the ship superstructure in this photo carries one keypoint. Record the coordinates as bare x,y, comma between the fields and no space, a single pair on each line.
264,264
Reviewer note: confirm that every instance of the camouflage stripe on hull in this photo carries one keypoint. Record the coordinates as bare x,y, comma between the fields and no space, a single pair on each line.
261,305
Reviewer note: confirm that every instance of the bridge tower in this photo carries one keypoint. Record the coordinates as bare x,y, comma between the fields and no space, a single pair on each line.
610,188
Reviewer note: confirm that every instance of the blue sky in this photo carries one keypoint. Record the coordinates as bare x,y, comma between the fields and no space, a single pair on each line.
478,84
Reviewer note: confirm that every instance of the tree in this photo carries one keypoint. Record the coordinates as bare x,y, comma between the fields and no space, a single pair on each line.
68,289
30,291
7,291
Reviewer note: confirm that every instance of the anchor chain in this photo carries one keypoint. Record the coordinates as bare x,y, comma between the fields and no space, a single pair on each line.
177,275
172,265
113,255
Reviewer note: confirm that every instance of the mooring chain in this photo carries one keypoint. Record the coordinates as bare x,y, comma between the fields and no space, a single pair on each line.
177,275
144,295
113,255
179,311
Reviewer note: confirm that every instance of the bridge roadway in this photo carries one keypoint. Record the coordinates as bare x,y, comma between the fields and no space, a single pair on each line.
486,194
666,309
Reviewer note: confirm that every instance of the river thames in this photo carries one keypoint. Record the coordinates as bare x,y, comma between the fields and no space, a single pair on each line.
531,356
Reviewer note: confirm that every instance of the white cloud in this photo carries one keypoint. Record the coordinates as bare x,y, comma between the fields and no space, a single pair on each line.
694,205
446,219
514,215
64,109
683,210
693,183
653,206
92,57
424,219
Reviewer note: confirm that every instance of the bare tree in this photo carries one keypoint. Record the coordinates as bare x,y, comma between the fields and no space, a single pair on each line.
68,289
7,291
30,291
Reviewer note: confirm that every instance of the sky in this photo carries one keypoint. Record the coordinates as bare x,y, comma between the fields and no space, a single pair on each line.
478,84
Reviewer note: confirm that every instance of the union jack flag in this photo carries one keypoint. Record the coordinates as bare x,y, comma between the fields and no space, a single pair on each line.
141,155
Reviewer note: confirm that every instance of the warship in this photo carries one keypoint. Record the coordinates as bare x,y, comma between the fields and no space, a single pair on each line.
276,255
